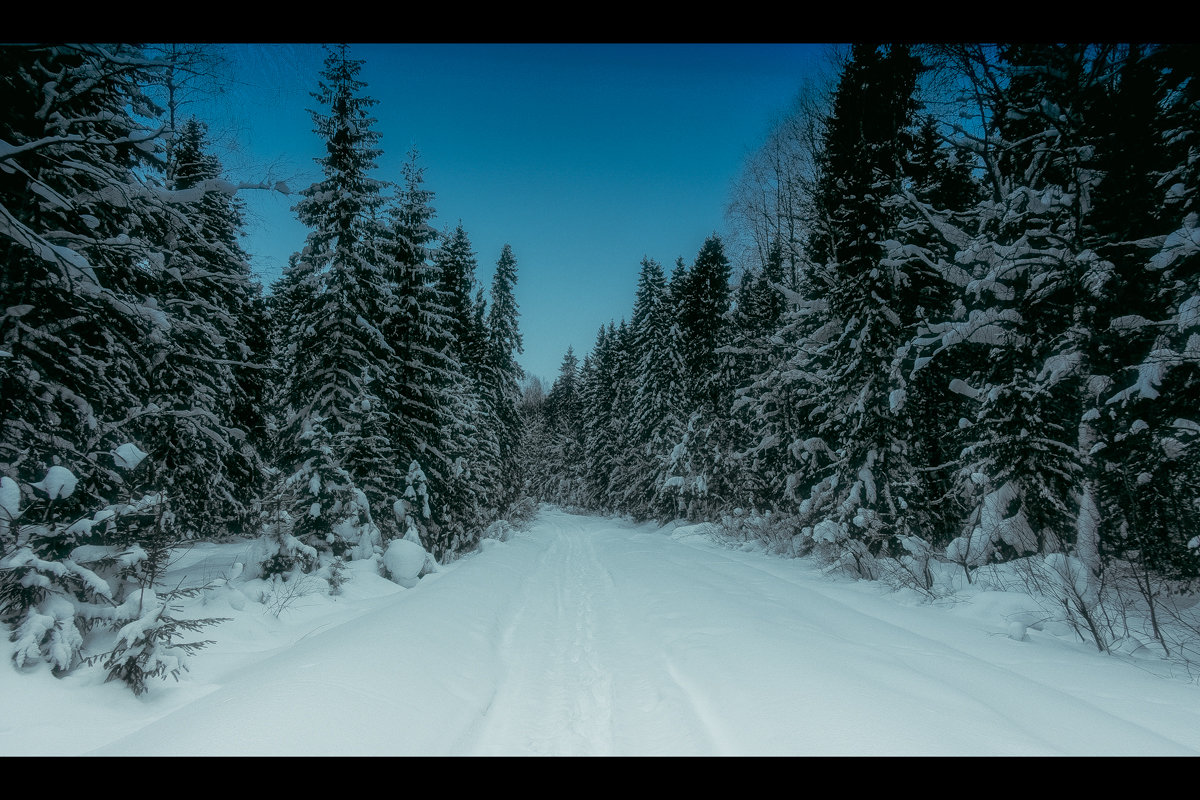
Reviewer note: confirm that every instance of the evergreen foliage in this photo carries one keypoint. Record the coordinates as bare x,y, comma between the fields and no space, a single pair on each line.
503,374
90,242
972,337
976,342
83,328
206,384
420,367
562,482
378,397
658,373
871,301
339,302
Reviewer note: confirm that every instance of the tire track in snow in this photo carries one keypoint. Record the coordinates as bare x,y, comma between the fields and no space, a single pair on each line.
653,712
554,695
594,699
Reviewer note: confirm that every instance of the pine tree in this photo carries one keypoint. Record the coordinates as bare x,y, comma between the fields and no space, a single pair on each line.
658,407
79,272
335,347
1142,229
564,418
207,386
871,302
504,373
704,328
417,328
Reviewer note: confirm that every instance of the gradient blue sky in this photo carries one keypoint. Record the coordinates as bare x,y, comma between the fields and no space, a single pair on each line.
585,158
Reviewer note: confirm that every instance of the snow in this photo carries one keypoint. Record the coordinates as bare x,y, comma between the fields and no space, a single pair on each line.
583,635
128,455
1149,376
1129,322
963,388
827,531
10,498
404,560
1059,366
59,482
1189,313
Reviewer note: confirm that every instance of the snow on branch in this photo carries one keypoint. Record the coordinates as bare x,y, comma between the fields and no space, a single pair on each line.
75,266
196,193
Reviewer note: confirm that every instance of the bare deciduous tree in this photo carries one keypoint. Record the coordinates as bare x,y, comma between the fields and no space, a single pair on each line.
772,198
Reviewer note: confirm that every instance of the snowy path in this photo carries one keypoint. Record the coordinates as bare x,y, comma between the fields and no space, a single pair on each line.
592,636
580,674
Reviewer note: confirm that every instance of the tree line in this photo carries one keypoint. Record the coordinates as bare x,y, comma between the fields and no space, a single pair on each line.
966,330
152,394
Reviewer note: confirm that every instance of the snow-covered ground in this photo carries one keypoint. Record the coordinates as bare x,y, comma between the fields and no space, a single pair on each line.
584,635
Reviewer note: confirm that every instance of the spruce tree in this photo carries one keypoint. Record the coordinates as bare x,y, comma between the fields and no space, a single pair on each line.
80,272
622,435
207,384
82,209
537,441
672,487
335,349
471,439
487,469
658,407
938,186
1142,229
702,321
417,328
704,302
867,297
756,317
564,418
1026,315
456,264
596,389
504,374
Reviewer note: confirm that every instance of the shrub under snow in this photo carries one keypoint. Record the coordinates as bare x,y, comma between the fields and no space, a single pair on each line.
404,561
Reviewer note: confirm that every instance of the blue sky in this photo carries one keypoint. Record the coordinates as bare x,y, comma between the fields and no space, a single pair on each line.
585,158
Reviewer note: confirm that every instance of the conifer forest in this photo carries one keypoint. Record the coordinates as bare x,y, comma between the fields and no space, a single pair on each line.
954,322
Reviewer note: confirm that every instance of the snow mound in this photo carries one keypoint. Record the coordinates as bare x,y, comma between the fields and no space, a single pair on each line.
706,532
500,531
404,561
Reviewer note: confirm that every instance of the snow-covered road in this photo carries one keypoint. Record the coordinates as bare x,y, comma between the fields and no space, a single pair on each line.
588,636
